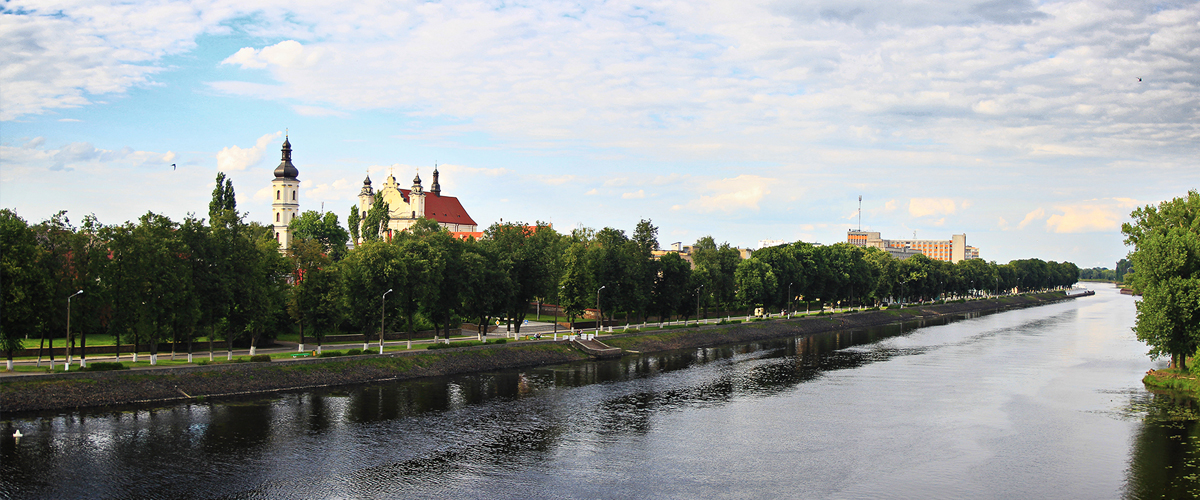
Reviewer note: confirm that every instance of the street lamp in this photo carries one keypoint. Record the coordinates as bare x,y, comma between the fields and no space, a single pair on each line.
697,305
67,365
382,315
789,301
599,311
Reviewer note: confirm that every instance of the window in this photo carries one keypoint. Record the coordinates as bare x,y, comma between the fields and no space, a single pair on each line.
293,195
276,237
276,194
277,220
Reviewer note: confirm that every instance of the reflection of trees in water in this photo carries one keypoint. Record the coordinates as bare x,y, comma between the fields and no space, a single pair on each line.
1165,459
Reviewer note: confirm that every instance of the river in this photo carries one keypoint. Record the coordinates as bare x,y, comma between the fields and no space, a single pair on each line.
1044,402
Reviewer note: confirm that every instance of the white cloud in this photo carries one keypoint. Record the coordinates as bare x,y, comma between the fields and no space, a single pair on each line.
233,158
288,54
1090,216
637,195
592,192
1036,214
743,192
922,207
557,180
169,157
57,54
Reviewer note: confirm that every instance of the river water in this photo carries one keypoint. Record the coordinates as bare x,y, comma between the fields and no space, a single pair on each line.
1043,402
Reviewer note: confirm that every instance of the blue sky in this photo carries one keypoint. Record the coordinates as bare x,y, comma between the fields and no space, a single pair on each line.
1022,124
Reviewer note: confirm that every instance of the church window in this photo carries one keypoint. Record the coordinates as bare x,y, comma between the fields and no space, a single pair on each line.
293,196
276,217
276,237
276,194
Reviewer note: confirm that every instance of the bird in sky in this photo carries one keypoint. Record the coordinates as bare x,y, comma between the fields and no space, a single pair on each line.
173,165
1139,79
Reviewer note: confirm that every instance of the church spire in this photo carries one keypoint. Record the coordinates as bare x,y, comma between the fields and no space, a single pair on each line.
435,188
286,170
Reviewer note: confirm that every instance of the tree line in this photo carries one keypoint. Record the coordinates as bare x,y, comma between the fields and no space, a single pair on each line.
221,277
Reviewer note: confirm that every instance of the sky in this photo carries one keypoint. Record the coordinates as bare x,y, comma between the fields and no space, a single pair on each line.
1032,127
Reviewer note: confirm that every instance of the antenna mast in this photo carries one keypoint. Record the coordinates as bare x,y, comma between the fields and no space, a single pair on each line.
860,213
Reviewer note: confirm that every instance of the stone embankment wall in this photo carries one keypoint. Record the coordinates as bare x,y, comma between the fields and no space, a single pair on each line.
92,389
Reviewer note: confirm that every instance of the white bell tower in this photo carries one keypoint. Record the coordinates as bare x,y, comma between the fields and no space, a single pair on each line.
286,204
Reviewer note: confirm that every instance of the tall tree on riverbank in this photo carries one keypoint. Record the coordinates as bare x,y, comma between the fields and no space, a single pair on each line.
23,286
1166,241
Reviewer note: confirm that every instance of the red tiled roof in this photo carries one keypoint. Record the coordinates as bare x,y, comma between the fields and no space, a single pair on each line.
444,209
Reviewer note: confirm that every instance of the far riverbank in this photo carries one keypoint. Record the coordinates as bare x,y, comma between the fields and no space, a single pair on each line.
96,389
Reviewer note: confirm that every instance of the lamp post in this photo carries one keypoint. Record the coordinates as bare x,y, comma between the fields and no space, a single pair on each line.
382,316
67,365
599,311
701,287
789,315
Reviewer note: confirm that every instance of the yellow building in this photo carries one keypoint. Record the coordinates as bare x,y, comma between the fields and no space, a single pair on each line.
405,206
954,249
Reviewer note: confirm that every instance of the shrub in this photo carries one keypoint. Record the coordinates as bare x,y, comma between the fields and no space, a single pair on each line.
353,352
106,366
260,358
332,354
498,341
202,362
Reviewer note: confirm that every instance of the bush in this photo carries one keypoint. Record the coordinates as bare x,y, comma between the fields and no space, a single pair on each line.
104,366
202,362
498,341
331,354
353,352
260,358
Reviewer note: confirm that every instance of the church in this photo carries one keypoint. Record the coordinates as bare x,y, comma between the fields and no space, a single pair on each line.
405,206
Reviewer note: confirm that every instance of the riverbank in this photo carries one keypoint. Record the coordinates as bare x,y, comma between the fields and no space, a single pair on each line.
1172,379
98,389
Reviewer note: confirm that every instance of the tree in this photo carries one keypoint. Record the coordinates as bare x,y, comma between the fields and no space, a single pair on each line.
23,285
671,286
528,254
354,221
1166,241
756,282
313,299
485,285
376,220
575,285
223,201
324,229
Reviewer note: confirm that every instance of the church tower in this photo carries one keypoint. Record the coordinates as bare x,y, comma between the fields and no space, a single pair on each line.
418,198
286,205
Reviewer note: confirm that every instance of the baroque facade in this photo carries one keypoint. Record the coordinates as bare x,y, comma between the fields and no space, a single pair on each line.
405,206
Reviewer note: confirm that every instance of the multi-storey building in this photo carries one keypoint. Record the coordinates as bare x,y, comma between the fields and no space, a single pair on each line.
954,249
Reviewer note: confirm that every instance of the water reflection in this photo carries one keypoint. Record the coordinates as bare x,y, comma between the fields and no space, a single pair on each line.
678,424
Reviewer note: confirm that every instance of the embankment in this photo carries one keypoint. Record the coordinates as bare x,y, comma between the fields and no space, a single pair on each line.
93,389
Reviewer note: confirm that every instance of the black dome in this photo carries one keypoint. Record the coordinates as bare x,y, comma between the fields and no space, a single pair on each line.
286,170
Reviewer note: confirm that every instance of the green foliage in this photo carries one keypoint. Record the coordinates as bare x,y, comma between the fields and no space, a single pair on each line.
331,354
260,358
1166,240
354,352
353,221
324,229
22,283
